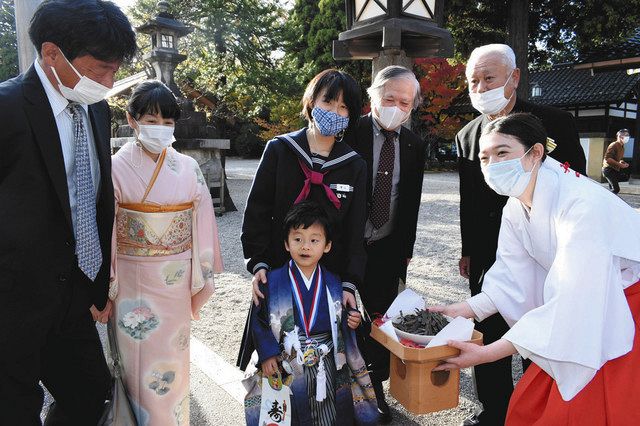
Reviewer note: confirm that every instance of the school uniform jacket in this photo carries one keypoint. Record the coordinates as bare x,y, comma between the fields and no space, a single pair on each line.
480,207
278,182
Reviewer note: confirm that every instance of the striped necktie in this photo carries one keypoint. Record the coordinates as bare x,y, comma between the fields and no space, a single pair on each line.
87,238
381,200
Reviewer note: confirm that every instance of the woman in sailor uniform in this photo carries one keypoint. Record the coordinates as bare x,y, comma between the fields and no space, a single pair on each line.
312,163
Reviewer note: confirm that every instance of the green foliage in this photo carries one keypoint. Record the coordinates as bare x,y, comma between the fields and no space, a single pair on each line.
310,31
565,29
235,56
8,43
559,30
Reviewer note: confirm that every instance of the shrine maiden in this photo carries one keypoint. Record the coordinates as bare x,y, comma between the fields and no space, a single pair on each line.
165,252
565,280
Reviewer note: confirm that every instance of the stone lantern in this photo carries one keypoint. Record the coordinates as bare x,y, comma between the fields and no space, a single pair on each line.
164,57
392,31
194,135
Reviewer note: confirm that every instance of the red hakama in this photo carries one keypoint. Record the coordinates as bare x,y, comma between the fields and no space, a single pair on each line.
611,398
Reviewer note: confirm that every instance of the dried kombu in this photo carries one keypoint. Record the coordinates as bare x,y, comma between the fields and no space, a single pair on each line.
422,322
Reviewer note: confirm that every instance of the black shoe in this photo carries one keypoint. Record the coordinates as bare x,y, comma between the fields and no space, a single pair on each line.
384,411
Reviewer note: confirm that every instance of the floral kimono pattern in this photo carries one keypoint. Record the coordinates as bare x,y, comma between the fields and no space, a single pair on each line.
164,253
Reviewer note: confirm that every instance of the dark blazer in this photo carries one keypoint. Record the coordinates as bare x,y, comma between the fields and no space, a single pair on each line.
412,152
480,206
37,245
278,182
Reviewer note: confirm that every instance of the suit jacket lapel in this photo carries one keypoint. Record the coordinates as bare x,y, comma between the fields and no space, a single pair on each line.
365,148
43,124
406,158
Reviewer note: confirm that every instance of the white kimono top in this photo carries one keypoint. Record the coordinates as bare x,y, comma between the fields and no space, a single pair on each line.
560,274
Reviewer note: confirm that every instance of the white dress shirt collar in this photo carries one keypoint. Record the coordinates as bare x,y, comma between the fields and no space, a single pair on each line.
56,100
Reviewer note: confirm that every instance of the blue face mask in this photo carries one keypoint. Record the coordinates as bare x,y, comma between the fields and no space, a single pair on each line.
508,177
328,122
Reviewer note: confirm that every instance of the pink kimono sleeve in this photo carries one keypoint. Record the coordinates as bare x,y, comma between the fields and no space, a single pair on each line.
206,248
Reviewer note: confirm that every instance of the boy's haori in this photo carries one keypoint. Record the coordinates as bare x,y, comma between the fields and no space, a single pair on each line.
354,398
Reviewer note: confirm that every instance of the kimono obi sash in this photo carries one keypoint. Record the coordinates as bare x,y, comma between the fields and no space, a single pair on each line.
154,230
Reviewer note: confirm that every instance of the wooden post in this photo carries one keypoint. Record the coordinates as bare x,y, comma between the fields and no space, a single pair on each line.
518,39
26,51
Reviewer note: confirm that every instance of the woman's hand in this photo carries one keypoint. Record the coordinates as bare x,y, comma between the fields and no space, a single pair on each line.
103,315
354,318
472,354
258,277
270,367
461,309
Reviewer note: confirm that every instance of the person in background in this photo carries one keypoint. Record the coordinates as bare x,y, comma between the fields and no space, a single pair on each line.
395,161
165,252
493,78
56,205
311,163
613,164
304,336
566,282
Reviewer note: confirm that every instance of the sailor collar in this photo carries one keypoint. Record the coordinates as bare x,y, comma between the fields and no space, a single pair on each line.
340,154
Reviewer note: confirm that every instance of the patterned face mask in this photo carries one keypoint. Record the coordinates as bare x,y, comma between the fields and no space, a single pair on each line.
328,123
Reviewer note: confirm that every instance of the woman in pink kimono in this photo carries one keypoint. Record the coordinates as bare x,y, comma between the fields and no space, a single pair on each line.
165,252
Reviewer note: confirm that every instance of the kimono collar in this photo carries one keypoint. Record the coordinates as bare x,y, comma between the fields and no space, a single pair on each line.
545,189
341,153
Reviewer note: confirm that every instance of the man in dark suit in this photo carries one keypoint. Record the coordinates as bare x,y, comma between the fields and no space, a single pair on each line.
56,205
395,160
493,79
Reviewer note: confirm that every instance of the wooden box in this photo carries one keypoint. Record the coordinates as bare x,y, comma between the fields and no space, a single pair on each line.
413,384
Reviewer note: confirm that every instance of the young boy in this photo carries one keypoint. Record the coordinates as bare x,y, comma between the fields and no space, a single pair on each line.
304,338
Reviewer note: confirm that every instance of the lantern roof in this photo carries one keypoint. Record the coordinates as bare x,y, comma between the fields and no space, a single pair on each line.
164,20
408,25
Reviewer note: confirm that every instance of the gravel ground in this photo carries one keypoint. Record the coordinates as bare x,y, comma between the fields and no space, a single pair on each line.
433,273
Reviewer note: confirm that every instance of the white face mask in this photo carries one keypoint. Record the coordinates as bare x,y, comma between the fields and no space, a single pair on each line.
492,101
86,91
625,139
390,118
508,177
154,137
